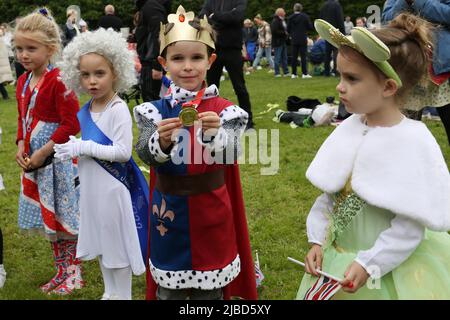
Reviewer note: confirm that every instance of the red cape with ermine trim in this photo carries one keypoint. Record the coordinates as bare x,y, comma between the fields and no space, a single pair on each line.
244,286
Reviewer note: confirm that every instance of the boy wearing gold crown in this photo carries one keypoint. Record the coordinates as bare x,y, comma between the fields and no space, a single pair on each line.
199,244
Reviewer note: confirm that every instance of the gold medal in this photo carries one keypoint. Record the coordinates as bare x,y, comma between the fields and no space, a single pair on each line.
188,115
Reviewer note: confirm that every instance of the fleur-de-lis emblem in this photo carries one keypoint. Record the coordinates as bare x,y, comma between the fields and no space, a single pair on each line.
162,214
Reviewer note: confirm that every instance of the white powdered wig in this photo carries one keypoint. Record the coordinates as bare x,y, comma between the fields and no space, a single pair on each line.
106,43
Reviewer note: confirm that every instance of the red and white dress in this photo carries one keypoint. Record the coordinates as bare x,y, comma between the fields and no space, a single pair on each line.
48,200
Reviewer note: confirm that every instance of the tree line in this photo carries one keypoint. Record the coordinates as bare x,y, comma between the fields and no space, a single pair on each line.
92,10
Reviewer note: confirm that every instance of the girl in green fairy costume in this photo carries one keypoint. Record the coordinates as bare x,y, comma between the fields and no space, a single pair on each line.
381,224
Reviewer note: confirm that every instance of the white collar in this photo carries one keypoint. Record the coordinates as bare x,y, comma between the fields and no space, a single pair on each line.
177,94
399,168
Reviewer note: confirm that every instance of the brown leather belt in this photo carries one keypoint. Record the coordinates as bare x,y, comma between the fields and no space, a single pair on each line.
191,184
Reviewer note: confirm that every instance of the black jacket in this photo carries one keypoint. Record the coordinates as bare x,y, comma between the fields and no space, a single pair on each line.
250,34
151,14
279,32
298,24
332,12
68,35
227,21
110,21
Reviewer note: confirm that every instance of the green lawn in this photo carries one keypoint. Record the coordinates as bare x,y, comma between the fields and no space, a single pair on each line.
277,205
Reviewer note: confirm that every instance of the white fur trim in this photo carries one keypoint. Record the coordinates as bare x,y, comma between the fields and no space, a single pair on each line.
155,149
180,95
400,168
234,112
215,143
148,111
205,280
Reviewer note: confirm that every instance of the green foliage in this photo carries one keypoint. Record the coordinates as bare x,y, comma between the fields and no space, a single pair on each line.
267,7
92,10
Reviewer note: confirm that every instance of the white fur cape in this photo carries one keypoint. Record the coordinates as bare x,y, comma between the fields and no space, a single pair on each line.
399,168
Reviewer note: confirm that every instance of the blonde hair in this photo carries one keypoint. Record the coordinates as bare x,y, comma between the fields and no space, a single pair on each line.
409,39
42,23
109,9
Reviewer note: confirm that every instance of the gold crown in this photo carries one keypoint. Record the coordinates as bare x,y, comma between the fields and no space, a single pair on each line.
179,29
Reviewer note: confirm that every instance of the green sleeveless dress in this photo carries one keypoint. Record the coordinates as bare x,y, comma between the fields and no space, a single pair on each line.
354,226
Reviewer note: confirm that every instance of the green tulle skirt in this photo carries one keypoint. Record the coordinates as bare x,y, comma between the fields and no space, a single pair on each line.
424,275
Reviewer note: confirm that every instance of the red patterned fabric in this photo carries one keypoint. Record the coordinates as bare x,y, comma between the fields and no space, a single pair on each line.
53,104
235,233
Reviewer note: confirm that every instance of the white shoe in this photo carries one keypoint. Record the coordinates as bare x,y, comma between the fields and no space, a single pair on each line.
247,73
294,76
286,75
222,78
258,68
426,116
306,76
278,76
2,276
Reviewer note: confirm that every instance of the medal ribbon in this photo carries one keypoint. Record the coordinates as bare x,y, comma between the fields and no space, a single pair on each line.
27,110
198,98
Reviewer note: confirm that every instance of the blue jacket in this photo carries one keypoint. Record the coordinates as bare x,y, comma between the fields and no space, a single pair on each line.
435,11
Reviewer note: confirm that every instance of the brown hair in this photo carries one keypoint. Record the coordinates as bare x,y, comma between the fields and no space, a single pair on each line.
409,39
355,56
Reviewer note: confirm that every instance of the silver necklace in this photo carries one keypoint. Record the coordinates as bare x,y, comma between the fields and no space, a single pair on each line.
366,129
106,107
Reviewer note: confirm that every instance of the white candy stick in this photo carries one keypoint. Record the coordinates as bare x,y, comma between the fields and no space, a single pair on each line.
318,270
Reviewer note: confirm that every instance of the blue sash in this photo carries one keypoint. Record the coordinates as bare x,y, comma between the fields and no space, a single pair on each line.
127,173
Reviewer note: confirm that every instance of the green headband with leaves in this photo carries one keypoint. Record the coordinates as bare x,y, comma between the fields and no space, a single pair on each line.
363,41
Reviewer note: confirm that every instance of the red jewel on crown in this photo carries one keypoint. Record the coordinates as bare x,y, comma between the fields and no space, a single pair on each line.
181,17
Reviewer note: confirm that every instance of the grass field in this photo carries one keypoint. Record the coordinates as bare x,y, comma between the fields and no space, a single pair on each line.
276,205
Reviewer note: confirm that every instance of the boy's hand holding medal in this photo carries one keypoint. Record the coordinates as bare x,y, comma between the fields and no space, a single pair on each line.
166,129
210,122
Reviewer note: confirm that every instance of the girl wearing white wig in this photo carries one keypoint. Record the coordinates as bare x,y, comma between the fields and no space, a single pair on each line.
100,64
